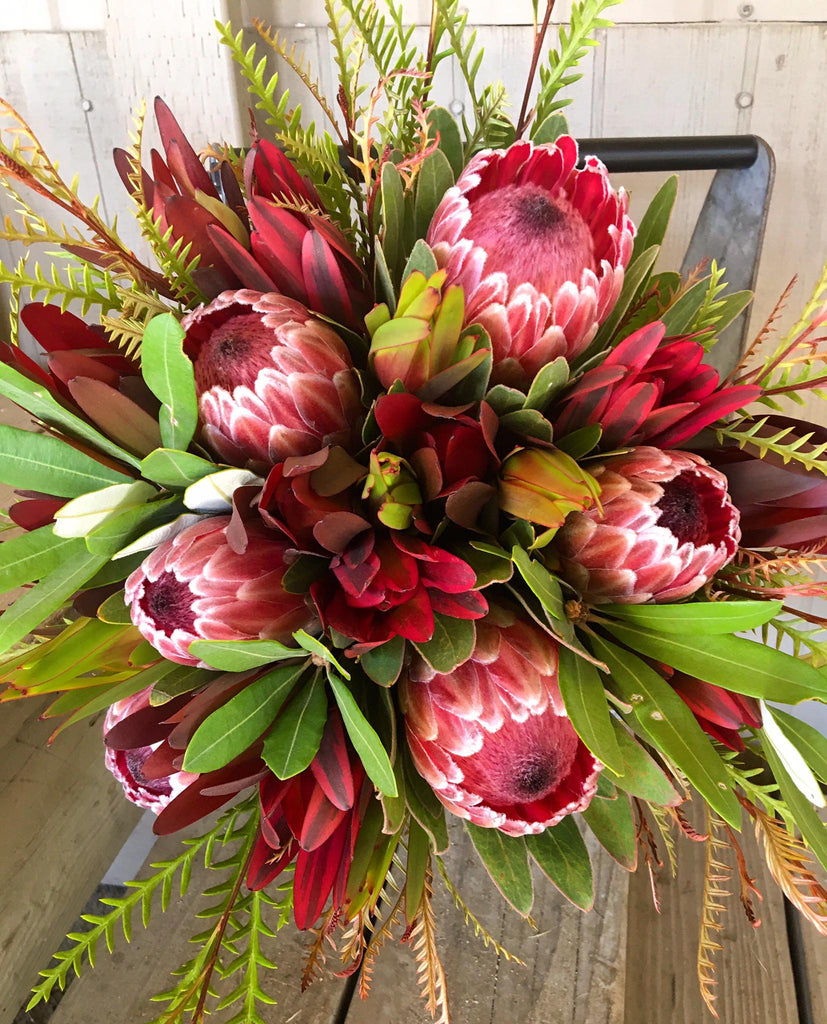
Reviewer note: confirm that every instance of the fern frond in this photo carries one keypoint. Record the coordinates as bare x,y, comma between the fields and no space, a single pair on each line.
664,820
377,941
746,433
716,876
84,284
747,882
471,920
769,326
430,971
806,645
316,958
791,866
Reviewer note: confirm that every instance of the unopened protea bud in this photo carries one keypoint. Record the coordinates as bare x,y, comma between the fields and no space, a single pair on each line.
666,526
424,344
492,737
543,486
391,489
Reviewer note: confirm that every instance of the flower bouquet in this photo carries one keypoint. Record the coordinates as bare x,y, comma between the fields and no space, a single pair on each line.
401,484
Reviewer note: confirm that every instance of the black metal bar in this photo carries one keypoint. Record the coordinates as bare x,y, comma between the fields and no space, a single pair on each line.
674,153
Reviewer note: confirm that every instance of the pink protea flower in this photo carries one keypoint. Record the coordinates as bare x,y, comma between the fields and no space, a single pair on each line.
540,249
127,765
492,737
195,586
272,380
667,526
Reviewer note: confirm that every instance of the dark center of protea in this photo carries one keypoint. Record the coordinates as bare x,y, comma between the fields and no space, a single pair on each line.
168,603
135,761
235,353
684,508
532,237
534,776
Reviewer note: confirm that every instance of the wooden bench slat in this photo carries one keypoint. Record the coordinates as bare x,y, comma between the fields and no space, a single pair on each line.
754,972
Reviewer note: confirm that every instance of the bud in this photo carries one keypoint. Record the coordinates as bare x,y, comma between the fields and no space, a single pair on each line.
392,491
543,485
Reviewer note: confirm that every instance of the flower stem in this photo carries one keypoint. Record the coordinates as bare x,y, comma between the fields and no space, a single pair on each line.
539,36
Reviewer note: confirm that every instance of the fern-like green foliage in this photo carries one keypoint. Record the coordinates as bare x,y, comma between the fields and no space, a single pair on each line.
574,42
786,443
808,643
83,284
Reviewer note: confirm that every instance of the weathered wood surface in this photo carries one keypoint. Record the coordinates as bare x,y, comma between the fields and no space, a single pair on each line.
754,971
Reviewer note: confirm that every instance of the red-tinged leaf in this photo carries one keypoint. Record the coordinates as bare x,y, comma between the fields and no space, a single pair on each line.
164,182
123,165
338,529
13,356
282,233
712,409
185,809
249,272
636,350
183,161
55,330
192,713
144,727
459,606
464,506
321,820
66,365
797,533
327,290
116,415
715,704
189,221
413,620
161,763
627,411
276,177
266,864
314,877
33,513
331,765
249,778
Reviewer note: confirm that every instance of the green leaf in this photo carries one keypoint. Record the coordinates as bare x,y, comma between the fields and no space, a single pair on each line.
314,646
170,680
442,121
82,514
232,728
433,181
169,375
47,596
679,317
549,382
294,740
31,556
586,706
241,655
706,617
38,462
383,664
581,441
364,738
809,741
550,129
563,858
506,861
642,777
489,567
664,716
382,281
451,645
614,828
812,827
175,469
35,399
424,804
114,610
422,259
637,275
732,662
393,219
107,538
540,582
417,868
652,228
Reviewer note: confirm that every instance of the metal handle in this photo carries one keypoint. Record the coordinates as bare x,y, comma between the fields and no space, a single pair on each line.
674,153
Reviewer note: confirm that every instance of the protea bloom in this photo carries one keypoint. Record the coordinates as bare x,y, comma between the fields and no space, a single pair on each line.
719,712
383,585
647,392
272,380
493,738
667,526
195,586
127,765
539,248
312,819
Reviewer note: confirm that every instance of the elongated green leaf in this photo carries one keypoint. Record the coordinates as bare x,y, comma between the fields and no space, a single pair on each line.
614,828
549,382
175,469
422,259
417,867
231,729
364,738
314,646
810,742
652,228
293,741
34,398
679,317
39,462
564,860
100,698
110,536
642,777
441,122
732,662
31,556
506,861
586,706
214,492
540,582
46,597
673,728
812,827
241,655
451,645
383,664
82,514
637,274
170,680
169,375
433,181
707,617
424,804
393,219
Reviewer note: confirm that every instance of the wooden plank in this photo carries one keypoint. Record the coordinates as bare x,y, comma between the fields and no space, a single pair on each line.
52,16
755,981
575,971
495,12
120,986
